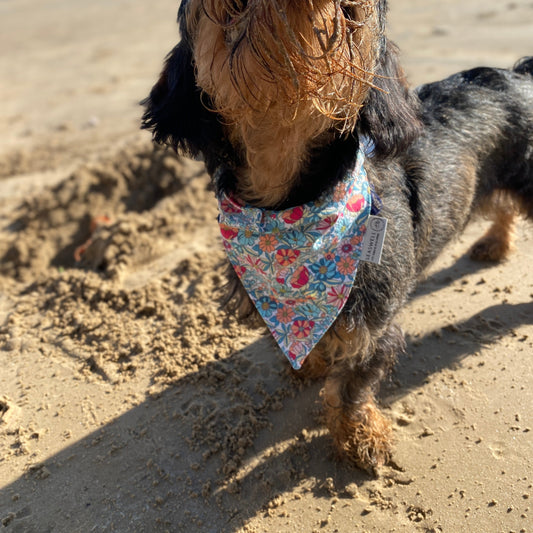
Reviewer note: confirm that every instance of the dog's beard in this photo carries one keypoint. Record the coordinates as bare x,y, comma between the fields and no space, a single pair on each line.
281,73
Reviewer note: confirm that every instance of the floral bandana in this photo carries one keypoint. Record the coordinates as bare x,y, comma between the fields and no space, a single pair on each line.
298,265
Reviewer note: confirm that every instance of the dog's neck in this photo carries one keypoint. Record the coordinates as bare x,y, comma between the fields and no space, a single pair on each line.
324,168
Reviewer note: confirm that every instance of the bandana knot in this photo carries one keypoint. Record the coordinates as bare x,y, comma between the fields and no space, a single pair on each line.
299,264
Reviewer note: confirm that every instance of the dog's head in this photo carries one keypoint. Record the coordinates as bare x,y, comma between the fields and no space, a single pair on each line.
283,60
259,84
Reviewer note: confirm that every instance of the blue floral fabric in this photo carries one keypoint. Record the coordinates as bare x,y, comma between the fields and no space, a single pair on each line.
298,265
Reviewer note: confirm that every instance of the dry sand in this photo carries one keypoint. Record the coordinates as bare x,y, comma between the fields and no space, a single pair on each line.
130,402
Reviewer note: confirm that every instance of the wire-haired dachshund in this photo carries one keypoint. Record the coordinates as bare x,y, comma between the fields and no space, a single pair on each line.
310,133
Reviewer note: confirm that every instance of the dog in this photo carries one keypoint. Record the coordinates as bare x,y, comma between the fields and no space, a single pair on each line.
279,97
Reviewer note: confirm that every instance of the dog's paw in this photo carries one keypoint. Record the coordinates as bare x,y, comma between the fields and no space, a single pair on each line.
491,247
363,437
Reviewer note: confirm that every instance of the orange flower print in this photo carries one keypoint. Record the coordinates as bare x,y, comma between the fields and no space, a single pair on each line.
346,265
285,314
287,256
356,239
268,242
302,328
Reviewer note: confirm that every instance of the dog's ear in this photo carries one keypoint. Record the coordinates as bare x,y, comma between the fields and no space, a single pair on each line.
176,111
391,113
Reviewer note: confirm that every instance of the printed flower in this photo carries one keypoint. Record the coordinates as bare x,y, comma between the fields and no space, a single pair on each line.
355,203
229,206
339,193
282,290
337,296
240,270
287,256
310,310
268,243
254,262
292,216
327,222
228,232
316,287
296,351
302,328
300,278
346,265
247,236
266,305
324,269
356,239
346,248
284,314
295,238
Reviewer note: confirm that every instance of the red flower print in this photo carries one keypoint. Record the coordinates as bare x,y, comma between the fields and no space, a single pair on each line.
285,314
346,248
302,328
300,278
228,232
355,203
293,215
229,206
346,265
287,256
337,296
240,270
327,222
254,262
296,349
268,243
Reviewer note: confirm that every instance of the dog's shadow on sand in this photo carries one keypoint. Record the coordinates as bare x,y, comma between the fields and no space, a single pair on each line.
218,446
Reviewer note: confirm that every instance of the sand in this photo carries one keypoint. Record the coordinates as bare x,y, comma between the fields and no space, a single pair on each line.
130,402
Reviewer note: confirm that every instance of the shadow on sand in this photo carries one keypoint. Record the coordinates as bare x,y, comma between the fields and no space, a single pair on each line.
215,447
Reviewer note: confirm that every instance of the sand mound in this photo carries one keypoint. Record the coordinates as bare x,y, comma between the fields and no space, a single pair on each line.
48,228
83,244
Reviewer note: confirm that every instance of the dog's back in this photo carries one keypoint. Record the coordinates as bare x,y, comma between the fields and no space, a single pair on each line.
475,153
490,112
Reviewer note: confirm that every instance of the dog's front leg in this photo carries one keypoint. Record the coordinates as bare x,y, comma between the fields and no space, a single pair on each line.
361,433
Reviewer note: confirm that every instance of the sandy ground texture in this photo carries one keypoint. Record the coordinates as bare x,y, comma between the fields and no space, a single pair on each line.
130,402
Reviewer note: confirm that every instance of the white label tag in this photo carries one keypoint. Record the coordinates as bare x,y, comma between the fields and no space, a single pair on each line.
376,228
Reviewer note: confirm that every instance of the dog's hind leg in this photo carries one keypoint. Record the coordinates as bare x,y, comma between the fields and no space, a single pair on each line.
361,433
497,243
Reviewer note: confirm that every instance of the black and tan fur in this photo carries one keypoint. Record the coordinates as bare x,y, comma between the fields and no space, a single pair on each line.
275,95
